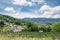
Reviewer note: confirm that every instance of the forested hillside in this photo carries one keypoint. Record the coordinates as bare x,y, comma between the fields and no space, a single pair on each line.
11,19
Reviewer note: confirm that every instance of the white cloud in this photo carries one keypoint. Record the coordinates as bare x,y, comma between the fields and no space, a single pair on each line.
50,12
20,14
45,11
38,1
56,16
22,2
45,8
23,15
9,9
25,2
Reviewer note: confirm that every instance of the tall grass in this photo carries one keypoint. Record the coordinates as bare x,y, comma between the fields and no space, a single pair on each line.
4,37
28,36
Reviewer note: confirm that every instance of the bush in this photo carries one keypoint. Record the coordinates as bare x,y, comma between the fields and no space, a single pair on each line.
1,24
48,29
26,29
45,29
32,26
56,27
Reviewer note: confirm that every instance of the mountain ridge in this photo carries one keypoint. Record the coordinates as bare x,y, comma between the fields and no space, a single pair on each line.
42,20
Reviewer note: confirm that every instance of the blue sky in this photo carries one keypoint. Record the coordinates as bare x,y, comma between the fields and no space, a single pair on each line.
30,8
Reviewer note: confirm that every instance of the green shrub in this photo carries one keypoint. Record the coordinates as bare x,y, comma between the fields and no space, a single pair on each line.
45,29
32,26
1,24
56,27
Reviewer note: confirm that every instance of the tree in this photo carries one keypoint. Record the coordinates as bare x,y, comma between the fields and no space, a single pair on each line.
1,24
45,28
29,24
32,26
56,27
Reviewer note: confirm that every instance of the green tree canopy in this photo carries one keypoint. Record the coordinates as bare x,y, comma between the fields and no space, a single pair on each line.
56,27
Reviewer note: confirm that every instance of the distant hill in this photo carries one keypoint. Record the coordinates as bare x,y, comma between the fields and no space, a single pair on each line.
42,20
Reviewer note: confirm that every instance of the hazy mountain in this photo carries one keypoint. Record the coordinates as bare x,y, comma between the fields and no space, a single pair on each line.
42,20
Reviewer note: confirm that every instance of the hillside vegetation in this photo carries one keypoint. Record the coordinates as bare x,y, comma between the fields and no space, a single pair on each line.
16,29
13,24
11,19
7,22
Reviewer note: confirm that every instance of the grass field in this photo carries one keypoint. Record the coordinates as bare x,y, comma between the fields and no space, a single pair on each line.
28,36
23,38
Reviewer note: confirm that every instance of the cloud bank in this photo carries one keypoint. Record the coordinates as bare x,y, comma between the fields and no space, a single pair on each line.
50,12
37,8
27,3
